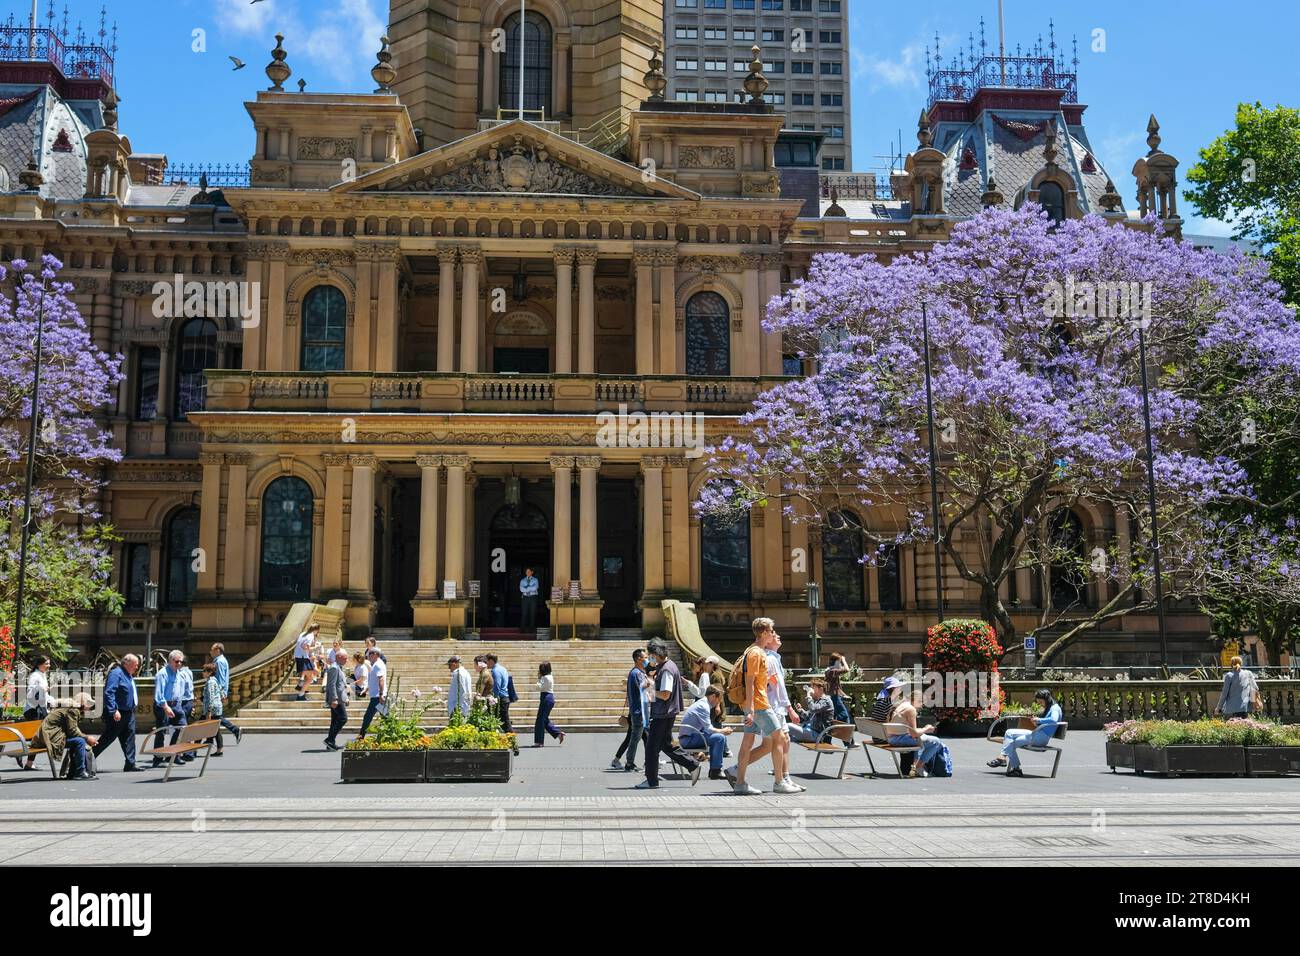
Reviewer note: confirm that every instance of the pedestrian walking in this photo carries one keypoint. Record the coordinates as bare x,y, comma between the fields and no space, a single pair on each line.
781,706
173,699
1240,694
504,691
546,689
748,690
360,674
376,687
302,659
460,690
665,705
636,690
120,701
218,652
484,688
336,697
213,708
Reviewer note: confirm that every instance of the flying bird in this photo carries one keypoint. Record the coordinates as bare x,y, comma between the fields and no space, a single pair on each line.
239,64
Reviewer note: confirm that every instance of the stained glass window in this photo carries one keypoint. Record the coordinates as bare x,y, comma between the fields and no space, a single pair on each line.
324,324
708,335
286,540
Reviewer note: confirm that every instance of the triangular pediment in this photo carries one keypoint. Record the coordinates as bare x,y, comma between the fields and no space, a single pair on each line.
516,159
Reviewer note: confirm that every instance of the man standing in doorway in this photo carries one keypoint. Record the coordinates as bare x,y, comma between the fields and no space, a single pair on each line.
528,588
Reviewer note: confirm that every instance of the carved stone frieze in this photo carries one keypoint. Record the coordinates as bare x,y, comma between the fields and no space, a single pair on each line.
327,147
706,157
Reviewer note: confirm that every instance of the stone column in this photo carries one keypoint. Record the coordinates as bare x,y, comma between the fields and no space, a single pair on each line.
361,528
427,582
317,535
588,469
489,78
645,319
561,73
276,331
564,309
446,307
745,347
252,520
252,356
364,309
470,257
667,260
653,525
679,487
387,318
773,350
587,256
232,583
332,570
773,541
800,559
562,571
209,522
454,560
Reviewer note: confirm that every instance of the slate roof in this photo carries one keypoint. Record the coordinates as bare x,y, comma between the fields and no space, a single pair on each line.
31,122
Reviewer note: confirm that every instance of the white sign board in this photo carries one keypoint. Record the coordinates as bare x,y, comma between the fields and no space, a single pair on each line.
449,590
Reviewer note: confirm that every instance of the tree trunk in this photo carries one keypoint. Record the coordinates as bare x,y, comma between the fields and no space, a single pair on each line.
994,611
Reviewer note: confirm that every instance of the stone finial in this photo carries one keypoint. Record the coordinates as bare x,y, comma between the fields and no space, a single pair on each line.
991,196
834,209
655,81
278,70
756,83
1153,134
924,136
110,110
382,72
1110,200
1049,144
31,177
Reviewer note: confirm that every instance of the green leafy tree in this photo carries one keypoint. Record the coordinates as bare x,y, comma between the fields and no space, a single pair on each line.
1250,178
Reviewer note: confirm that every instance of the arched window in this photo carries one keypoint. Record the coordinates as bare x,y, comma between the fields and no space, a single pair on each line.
1052,198
842,565
179,544
135,572
1069,586
324,321
708,335
196,351
286,540
537,64
724,558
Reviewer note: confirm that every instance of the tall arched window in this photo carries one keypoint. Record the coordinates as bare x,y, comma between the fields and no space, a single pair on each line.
286,540
179,544
724,558
135,572
708,335
324,322
1052,198
1069,586
196,351
842,565
537,64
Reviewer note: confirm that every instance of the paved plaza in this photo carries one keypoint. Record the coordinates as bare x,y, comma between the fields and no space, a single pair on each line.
276,799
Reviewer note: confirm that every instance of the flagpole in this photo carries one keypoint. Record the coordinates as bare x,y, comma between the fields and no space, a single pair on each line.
1002,43
522,48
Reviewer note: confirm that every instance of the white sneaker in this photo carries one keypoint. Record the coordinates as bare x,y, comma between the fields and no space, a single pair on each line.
616,765
790,783
745,790
784,787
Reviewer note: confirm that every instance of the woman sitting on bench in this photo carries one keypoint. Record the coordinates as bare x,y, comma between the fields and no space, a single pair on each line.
1044,729
903,711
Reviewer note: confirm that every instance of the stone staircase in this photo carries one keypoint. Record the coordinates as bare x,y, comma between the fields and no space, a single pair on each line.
589,680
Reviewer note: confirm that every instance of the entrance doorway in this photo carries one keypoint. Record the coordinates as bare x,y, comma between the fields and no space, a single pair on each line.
519,537
618,552
523,361
403,555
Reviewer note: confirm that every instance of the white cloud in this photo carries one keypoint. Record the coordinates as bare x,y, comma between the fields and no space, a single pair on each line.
338,38
907,70
243,18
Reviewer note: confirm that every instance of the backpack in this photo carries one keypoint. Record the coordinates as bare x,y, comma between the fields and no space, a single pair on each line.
736,680
940,764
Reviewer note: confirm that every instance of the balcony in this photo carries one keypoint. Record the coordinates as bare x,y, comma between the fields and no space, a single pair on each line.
457,392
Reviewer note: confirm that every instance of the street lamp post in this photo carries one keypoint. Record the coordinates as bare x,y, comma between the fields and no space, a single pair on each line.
1151,500
34,433
814,603
151,610
934,463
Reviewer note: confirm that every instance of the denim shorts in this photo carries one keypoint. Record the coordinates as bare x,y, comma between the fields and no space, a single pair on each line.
765,724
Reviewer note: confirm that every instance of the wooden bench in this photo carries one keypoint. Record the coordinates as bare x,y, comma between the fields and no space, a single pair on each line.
23,732
193,737
877,736
824,745
1027,723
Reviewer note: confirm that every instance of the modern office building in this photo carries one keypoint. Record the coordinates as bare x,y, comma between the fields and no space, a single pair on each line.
805,50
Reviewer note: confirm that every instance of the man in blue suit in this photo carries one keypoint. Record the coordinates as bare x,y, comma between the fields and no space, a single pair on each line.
120,701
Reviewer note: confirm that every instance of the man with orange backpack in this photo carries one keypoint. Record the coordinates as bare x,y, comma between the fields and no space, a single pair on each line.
747,689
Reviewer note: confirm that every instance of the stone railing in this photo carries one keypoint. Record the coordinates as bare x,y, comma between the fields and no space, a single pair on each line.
266,670
237,390
1089,705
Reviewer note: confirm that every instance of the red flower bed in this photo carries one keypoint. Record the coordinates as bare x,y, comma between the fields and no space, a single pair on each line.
961,647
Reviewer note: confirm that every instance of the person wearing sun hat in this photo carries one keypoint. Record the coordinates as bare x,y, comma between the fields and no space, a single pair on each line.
903,711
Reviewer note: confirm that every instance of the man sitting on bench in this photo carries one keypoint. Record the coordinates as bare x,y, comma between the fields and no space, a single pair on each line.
816,718
1015,738
698,733
61,730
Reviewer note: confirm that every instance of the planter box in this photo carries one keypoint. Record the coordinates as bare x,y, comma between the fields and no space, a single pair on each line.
964,728
1190,758
491,766
397,765
1272,760
1120,755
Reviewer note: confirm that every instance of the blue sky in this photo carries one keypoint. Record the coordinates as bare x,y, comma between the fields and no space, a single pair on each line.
1190,66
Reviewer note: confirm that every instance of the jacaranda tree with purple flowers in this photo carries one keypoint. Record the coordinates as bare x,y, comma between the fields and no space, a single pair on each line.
69,561
1038,406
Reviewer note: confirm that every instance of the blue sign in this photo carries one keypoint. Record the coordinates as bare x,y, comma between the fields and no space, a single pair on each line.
1031,643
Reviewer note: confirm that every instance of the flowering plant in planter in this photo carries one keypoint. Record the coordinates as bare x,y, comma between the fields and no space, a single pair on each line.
402,727
1239,732
965,647
480,730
